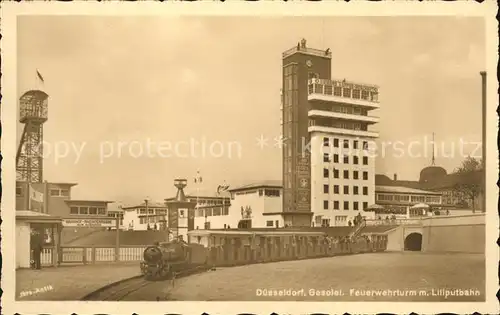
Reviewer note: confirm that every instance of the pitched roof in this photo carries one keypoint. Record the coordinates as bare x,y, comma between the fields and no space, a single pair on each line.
259,184
152,204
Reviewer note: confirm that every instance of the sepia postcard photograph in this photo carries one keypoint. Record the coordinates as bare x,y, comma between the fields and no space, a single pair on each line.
167,158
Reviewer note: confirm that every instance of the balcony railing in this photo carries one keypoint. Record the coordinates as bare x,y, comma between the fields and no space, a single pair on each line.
309,51
343,91
344,116
350,132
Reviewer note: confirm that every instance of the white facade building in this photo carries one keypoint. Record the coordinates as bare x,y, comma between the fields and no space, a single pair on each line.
138,217
255,205
258,205
342,165
116,211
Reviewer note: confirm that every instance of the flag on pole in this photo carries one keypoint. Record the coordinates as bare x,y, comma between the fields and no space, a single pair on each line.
35,195
39,75
222,188
198,178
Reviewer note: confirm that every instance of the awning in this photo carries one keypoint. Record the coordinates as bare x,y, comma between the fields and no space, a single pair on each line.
36,217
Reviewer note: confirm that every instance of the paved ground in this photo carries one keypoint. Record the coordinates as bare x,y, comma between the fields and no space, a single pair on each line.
69,283
337,276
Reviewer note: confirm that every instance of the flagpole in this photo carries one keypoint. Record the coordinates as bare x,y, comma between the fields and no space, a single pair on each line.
223,199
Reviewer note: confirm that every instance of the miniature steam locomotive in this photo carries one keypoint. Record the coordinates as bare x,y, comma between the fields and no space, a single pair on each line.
162,260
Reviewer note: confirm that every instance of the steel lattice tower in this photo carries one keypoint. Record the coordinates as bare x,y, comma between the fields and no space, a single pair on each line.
29,157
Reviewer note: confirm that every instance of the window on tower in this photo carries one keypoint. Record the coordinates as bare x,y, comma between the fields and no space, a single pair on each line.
328,90
346,190
346,92
365,160
337,91
356,93
310,88
364,95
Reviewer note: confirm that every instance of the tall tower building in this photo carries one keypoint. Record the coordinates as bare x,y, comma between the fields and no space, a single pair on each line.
328,173
300,64
29,157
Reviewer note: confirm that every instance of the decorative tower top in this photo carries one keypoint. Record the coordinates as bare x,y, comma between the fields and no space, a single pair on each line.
303,43
180,183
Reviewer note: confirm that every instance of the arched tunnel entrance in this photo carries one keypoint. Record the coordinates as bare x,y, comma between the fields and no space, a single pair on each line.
413,242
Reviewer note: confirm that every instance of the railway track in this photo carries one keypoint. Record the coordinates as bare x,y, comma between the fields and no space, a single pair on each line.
120,290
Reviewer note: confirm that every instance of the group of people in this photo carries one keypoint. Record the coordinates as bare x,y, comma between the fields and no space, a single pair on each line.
357,220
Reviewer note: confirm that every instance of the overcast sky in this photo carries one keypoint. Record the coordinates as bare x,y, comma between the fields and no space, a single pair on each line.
114,79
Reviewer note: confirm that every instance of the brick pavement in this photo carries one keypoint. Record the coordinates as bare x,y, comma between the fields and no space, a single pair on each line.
376,271
69,282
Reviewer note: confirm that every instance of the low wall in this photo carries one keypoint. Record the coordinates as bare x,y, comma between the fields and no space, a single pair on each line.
464,233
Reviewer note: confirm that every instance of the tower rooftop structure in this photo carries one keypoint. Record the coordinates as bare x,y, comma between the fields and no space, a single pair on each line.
33,112
303,49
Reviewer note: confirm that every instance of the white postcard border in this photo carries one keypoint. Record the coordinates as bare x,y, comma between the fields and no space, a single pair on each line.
10,10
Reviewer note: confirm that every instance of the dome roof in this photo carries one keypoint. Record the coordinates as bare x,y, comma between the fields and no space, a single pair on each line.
432,173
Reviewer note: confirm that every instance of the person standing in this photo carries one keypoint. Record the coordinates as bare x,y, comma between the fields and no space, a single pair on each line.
36,247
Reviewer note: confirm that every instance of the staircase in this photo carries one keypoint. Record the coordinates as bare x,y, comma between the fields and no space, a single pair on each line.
357,229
